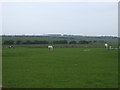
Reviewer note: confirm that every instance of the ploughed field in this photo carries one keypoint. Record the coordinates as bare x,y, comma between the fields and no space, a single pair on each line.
62,68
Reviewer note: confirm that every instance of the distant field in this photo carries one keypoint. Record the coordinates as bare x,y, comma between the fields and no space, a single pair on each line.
100,40
63,68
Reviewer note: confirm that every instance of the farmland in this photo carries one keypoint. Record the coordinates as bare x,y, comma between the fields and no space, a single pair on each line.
66,67
66,41
31,66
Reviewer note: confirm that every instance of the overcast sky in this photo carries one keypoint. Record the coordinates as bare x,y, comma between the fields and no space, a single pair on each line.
91,18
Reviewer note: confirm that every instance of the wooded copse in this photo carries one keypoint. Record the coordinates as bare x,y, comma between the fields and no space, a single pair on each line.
20,42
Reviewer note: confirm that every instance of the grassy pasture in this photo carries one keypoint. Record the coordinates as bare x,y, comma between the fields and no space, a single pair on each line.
63,68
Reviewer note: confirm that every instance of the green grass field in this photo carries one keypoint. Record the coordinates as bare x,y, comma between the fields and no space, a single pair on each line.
61,68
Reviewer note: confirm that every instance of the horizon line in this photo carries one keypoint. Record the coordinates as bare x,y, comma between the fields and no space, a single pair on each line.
58,34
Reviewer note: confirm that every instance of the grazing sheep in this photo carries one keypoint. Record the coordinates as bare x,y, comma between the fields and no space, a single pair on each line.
106,45
11,46
50,48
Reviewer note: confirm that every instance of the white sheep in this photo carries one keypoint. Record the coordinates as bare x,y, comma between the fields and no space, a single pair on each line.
50,48
11,46
106,45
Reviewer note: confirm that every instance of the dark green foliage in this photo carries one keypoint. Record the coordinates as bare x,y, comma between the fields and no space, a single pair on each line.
42,40
60,42
18,42
83,42
27,42
94,41
8,42
72,42
38,42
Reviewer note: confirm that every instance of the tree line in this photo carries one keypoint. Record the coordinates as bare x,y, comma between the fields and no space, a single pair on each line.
19,42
